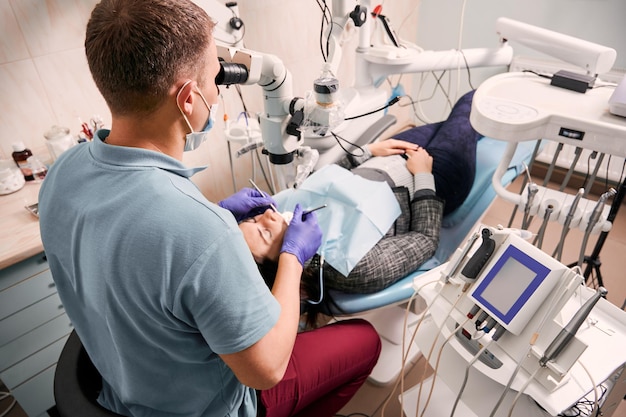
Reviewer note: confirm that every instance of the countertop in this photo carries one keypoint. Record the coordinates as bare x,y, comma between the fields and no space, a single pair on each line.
19,229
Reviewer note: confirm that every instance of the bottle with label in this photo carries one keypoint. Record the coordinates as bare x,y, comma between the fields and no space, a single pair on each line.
20,155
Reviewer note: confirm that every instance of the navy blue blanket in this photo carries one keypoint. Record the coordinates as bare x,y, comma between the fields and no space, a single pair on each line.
452,144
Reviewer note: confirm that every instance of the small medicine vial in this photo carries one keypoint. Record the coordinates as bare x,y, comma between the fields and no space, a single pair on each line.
37,167
20,155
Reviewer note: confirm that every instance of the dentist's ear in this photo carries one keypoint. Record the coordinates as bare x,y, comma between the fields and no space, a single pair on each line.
184,97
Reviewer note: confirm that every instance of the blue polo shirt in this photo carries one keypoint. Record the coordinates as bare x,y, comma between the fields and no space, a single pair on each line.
156,279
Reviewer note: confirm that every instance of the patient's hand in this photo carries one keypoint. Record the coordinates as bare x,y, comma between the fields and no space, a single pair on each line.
419,161
391,147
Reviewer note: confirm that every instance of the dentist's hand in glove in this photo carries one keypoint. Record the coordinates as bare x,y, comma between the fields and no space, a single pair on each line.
244,201
303,237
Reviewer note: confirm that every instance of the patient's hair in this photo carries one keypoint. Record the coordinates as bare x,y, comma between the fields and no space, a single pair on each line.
309,289
136,50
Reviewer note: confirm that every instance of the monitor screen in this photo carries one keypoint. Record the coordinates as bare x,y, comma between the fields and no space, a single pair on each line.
511,282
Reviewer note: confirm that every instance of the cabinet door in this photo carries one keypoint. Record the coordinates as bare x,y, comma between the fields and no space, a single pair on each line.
33,341
27,268
29,318
25,293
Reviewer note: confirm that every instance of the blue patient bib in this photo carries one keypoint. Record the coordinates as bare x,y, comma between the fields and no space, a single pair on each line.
358,215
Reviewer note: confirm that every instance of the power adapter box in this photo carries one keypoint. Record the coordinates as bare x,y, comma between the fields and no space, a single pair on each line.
572,81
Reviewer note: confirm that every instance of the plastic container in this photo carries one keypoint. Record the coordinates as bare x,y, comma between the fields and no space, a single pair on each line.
11,178
58,140
20,155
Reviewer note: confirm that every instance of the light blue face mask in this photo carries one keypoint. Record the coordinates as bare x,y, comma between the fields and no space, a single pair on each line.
193,140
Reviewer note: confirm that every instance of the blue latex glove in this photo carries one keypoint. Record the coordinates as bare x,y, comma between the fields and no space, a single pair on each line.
303,237
244,201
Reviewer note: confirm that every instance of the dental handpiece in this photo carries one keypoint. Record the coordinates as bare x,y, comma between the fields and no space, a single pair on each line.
532,192
454,269
597,210
565,336
593,219
558,251
542,229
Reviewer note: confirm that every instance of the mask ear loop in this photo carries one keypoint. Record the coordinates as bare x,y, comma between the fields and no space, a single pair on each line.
321,283
181,110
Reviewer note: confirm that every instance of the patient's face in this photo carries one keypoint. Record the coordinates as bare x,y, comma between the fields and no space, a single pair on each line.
264,235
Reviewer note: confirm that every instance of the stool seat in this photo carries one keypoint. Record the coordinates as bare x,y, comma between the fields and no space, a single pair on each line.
77,383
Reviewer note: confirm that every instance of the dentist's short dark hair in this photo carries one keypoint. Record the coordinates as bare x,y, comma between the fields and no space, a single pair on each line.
137,49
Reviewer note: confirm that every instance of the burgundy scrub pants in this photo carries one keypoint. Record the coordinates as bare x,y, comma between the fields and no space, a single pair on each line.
327,367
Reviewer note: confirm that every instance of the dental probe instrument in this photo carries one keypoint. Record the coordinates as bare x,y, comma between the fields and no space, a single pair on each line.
256,187
306,212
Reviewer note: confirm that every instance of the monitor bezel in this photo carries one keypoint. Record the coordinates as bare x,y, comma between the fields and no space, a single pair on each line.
511,252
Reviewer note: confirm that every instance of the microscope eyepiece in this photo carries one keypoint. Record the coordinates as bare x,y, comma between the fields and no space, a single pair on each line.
231,73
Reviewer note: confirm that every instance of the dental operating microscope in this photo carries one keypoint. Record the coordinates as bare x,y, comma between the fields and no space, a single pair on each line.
301,134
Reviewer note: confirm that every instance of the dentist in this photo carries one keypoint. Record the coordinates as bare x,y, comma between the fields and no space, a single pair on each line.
158,281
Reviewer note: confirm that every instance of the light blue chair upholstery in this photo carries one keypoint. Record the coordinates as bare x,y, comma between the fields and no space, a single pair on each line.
456,226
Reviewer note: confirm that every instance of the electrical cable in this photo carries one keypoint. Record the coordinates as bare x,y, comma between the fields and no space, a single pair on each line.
585,407
432,385
4,395
538,74
550,313
596,400
405,354
399,379
389,104
405,351
432,347
521,391
466,376
339,138
413,336
460,49
326,18
469,73
412,102
321,274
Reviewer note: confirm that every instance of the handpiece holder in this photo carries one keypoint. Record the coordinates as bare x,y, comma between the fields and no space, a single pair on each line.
566,335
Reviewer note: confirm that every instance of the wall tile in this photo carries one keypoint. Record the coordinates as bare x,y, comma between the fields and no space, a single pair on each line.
52,25
50,82
25,112
70,88
12,43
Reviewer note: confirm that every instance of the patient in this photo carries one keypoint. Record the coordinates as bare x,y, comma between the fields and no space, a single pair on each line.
430,170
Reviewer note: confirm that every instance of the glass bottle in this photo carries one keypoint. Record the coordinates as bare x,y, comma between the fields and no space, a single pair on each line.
37,167
20,155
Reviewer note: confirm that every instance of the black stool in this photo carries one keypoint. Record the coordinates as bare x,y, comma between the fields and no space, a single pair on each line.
77,383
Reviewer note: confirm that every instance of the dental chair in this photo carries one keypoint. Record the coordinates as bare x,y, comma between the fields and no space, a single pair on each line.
382,308
456,226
